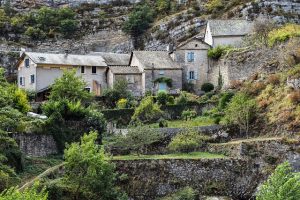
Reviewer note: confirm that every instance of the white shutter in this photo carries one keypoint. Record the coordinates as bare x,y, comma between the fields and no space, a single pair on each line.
196,75
188,75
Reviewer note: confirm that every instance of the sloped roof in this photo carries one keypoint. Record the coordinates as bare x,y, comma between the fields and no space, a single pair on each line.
230,27
63,59
125,70
114,59
200,39
156,59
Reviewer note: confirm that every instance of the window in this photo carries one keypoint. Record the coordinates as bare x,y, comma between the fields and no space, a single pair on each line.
32,78
130,79
82,69
87,89
161,72
27,62
94,69
192,75
190,57
162,86
22,81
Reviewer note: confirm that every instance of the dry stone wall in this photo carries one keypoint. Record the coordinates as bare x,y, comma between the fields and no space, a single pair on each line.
36,145
149,179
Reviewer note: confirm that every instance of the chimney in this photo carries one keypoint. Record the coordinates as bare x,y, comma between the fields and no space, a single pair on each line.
66,53
170,48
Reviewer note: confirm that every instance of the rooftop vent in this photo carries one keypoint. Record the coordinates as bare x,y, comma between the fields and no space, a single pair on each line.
42,58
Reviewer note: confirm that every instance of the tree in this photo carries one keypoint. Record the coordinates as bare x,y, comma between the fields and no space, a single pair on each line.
139,139
147,111
89,171
70,87
262,29
240,111
162,98
139,20
119,91
283,184
32,193
68,27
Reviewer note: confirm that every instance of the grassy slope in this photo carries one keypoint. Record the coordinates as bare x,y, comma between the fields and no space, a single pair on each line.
193,155
198,121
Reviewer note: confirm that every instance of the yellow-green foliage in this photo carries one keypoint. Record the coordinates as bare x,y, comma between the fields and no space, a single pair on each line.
294,72
21,101
214,5
284,33
122,103
281,103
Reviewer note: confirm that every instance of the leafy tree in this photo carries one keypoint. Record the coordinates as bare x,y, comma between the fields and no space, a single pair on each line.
139,20
147,111
119,91
189,114
35,33
207,87
67,27
283,184
70,87
33,193
139,139
89,171
187,140
20,100
240,111
163,6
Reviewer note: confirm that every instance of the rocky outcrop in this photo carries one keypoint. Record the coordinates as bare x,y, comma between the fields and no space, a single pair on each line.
149,179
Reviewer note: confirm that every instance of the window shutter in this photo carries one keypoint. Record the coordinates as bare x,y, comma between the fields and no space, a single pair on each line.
196,75
188,75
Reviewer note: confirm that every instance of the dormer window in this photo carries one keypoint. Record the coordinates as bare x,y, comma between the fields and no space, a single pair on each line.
190,57
27,62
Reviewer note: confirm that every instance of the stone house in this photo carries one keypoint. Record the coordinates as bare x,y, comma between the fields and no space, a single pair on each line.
159,71
192,57
227,32
38,71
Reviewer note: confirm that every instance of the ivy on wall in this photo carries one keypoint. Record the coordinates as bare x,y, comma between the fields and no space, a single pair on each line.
166,80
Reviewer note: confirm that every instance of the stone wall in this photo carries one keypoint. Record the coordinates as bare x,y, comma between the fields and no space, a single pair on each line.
263,152
36,145
149,179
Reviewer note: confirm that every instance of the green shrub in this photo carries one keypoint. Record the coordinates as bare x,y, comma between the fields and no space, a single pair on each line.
283,34
189,114
187,141
282,184
147,111
162,98
35,33
162,123
33,193
138,139
20,101
224,100
186,193
217,52
240,111
171,100
207,87
122,103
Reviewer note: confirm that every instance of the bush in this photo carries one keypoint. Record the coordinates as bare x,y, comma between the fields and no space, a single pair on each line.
35,33
147,111
186,193
162,98
224,100
273,79
122,103
162,123
282,184
187,141
283,34
207,87
171,100
33,193
20,101
189,114
217,52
